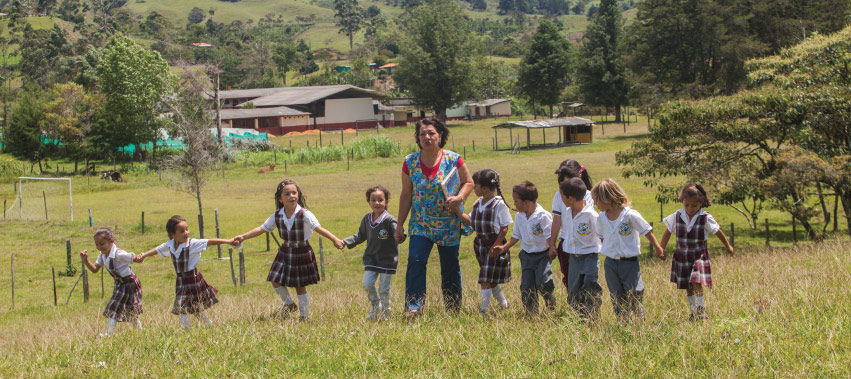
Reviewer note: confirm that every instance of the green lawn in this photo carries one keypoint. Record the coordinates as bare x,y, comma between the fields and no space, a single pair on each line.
774,312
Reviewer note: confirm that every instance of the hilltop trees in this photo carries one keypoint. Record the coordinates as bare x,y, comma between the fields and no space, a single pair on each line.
350,17
600,72
545,67
436,62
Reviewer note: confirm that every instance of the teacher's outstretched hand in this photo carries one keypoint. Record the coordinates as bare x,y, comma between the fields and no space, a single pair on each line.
433,219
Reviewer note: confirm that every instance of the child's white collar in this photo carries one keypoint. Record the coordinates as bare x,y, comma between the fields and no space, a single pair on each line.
690,222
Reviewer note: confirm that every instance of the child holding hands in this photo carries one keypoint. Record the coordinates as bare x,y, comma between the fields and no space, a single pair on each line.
582,245
381,256
490,218
125,305
192,294
532,226
295,263
620,226
690,268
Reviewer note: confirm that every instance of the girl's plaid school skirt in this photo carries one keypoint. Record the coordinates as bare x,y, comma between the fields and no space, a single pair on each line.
126,301
691,267
192,294
491,269
294,266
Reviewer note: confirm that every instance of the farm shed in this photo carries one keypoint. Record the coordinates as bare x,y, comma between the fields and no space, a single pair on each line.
490,108
276,121
572,130
330,107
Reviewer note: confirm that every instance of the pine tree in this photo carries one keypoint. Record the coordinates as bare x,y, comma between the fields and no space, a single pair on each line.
545,67
600,71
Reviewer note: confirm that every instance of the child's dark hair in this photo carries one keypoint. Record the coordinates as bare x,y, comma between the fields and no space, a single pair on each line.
573,187
438,126
301,200
171,224
695,190
526,191
105,233
570,168
489,179
377,188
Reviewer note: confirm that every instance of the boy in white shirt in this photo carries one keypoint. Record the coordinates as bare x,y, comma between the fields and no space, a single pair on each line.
620,226
532,226
582,244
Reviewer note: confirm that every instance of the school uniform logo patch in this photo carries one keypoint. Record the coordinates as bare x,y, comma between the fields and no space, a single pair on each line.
624,229
383,234
537,229
583,229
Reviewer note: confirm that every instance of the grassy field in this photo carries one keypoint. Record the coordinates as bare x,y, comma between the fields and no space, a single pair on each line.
773,312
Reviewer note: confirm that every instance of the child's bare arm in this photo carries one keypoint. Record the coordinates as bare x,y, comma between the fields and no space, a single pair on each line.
465,218
219,241
652,238
665,238
501,236
93,267
325,233
499,249
141,257
723,238
250,234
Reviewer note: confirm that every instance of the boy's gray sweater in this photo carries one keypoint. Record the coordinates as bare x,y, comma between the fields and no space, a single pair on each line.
382,251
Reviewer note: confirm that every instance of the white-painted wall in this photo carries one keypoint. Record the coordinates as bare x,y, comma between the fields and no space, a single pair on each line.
501,109
347,110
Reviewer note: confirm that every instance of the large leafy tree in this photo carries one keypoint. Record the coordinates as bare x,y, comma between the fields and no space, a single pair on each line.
436,61
68,116
23,136
545,68
134,81
350,17
601,72
779,140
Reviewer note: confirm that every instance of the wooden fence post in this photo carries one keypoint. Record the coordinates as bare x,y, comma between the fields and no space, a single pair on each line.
732,234
321,259
650,244
232,273
347,161
201,226
68,250
143,222
267,242
44,196
835,211
4,209
241,268
465,158
767,243
85,284
53,272
101,284
661,213
218,233
90,217
275,152
13,281
474,146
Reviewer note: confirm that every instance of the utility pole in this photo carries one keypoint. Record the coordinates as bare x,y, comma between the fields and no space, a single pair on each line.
216,70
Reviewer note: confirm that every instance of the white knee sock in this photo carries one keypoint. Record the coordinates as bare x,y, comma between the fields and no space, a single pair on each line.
698,302
138,323
691,303
202,316
184,321
284,294
110,326
304,305
486,299
499,296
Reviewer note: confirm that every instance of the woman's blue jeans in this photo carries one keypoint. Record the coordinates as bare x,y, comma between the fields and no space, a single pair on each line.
419,249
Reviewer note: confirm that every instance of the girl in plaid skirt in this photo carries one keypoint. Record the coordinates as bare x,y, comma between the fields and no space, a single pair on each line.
125,305
490,218
690,268
192,294
295,263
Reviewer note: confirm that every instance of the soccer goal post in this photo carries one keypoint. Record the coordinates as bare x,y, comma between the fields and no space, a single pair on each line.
21,180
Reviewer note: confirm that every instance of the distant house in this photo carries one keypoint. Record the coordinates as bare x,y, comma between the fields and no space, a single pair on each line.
389,68
276,121
286,109
490,108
